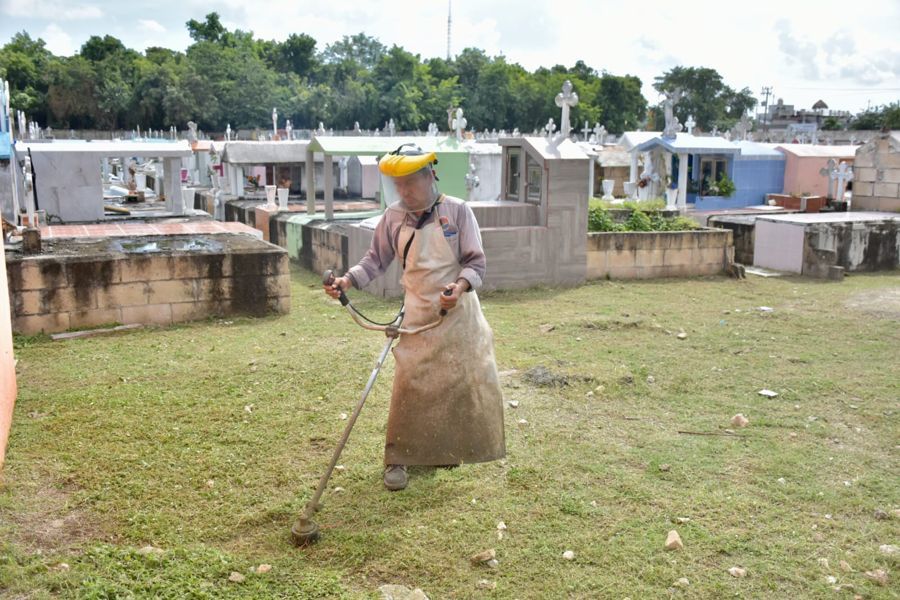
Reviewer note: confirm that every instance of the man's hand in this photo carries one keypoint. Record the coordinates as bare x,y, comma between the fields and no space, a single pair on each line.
457,290
340,283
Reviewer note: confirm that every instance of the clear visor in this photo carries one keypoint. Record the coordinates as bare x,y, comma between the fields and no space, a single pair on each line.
410,193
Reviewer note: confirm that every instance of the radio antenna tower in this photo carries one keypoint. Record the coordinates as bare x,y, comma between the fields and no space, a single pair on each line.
449,23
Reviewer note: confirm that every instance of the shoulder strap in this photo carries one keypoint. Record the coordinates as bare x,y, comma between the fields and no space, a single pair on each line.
419,225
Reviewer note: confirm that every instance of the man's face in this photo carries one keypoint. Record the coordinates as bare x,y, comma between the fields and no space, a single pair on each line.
416,189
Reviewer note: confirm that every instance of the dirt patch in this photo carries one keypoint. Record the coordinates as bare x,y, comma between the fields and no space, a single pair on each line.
50,522
543,377
884,303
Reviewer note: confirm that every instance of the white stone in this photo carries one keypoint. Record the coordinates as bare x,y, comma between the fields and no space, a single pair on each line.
767,393
831,580
673,541
483,556
879,576
484,584
682,582
263,568
150,550
823,562
513,403
568,555
236,577
737,572
740,420
888,549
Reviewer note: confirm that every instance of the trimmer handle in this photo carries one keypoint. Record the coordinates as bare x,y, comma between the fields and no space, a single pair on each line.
443,312
328,279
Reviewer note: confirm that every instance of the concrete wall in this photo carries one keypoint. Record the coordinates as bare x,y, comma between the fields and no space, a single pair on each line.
642,255
876,175
55,293
854,246
801,175
778,246
7,362
742,233
754,178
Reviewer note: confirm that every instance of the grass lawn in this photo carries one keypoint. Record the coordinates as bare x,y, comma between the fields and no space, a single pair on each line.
205,440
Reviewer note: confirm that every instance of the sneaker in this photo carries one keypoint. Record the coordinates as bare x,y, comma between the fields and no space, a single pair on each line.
395,477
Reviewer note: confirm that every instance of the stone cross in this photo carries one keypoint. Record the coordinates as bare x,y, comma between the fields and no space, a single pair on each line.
516,132
566,99
274,122
830,171
288,129
459,124
586,130
600,132
550,127
356,129
228,133
844,176
472,180
392,129
23,129
321,129
742,127
690,124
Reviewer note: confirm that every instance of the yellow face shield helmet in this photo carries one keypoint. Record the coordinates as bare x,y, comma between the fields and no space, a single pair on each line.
408,181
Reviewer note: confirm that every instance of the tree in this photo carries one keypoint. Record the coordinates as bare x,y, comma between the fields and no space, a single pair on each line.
210,30
708,99
887,115
363,49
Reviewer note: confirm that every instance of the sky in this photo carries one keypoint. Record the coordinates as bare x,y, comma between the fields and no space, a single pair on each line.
847,54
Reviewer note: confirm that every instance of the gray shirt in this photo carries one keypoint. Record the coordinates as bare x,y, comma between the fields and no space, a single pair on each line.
460,230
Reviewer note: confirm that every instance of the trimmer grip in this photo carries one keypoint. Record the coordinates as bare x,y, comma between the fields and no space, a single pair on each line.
443,312
328,279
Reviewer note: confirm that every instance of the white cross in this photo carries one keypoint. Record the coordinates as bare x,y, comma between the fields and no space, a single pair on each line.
566,100
830,171
690,124
586,130
550,127
288,128
844,176
274,122
600,132
321,129
459,123
391,127
228,133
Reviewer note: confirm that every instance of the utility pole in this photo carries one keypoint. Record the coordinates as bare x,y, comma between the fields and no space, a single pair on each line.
767,90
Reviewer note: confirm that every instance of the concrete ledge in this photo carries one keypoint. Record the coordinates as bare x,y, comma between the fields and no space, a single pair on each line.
92,284
641,255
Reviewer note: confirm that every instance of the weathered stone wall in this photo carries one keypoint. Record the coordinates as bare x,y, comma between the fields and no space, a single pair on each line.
642,255
52,293
853,246
876,175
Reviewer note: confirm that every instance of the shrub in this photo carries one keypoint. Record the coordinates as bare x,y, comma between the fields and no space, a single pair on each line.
599,219
639,221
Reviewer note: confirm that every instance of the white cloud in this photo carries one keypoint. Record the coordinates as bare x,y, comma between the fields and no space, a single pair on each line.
57,10
58,41
151,26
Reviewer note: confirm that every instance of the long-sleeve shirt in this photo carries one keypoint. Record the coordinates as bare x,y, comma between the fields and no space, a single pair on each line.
460,230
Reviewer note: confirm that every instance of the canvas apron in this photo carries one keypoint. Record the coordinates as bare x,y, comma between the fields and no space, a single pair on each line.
446,405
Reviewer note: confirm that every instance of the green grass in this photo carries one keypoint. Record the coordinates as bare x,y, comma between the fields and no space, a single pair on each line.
143,439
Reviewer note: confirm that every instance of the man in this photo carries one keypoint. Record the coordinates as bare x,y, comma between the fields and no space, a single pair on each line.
446,406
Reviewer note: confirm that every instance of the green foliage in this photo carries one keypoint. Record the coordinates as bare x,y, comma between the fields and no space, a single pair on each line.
887,116
725,185
639,221
644,216
711,102
599,219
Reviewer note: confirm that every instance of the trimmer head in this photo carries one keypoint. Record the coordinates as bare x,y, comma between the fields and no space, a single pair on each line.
304,532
